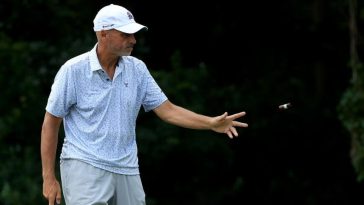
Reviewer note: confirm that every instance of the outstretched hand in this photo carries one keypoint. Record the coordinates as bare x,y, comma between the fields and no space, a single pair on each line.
226,124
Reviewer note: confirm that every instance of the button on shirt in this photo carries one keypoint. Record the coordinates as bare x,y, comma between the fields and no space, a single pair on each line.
99,114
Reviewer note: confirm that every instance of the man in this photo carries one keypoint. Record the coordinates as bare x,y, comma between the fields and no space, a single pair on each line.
98,96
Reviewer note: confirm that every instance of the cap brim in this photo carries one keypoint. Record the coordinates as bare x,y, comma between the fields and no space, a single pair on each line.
131,28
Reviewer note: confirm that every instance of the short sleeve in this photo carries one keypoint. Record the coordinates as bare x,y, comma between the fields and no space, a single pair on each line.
62,95
154,96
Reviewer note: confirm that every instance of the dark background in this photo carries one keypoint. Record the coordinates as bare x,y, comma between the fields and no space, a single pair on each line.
210,57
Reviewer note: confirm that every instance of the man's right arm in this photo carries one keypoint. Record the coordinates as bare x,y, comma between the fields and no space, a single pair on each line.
49,140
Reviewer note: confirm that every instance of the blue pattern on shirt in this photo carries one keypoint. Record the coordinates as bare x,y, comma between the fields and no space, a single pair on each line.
99,114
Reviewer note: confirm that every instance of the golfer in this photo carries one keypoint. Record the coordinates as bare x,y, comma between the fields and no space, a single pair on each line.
97,95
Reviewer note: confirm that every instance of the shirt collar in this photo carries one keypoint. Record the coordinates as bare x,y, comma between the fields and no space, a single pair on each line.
94,60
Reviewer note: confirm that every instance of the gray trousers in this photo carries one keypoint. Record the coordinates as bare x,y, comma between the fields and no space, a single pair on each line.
84,184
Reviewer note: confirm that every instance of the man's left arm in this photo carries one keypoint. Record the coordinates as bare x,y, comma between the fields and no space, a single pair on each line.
182,117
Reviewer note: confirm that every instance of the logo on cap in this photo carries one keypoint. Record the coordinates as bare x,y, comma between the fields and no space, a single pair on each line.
130,16
106,26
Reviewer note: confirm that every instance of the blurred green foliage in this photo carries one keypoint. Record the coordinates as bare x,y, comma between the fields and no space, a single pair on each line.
351,113
350,108
233,59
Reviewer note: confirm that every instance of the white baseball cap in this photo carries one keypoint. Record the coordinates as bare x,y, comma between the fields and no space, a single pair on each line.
116,17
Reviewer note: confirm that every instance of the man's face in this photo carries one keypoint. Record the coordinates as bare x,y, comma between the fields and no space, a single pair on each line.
119,43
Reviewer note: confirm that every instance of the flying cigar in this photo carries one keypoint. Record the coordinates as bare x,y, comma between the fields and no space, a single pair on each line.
285,106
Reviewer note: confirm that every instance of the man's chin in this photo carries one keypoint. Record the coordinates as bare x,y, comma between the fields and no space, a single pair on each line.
126,54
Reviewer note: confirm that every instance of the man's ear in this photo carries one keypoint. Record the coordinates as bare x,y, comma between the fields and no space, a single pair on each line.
103,33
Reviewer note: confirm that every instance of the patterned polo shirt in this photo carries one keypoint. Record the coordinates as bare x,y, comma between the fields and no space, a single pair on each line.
99,114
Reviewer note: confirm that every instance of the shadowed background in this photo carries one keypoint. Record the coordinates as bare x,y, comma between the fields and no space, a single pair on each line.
210,57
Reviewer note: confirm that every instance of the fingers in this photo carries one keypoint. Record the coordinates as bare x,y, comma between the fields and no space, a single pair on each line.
231,117
231,132
222,117
236,115
59,197
52,197
239,124
52,193
225,124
